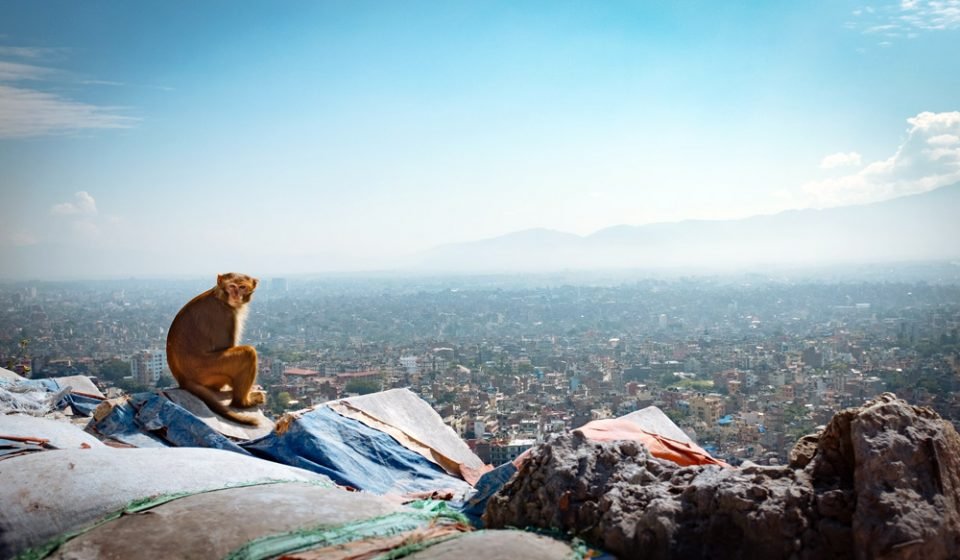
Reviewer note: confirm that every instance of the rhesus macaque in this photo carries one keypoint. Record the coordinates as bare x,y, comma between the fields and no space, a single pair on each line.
203,351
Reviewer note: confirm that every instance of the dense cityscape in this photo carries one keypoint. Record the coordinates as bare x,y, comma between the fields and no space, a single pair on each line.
745,365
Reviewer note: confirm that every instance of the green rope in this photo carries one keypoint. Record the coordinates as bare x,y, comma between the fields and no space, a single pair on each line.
424,512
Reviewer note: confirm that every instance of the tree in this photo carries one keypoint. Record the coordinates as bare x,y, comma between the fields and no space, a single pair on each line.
362,386
280,402
114,370
131,385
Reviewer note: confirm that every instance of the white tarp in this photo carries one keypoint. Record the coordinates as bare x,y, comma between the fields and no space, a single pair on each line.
223,425
8,375
653,420
62,435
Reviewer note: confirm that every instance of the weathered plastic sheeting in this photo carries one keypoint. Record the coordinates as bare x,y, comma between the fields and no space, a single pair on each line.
680,452
116,420
417,426
45,495
7,375
80,384
29,397
175,425
352,454
650,426
484,489
214,524
82,405
497,545
41,396
151,420
222,425
653,420
60,435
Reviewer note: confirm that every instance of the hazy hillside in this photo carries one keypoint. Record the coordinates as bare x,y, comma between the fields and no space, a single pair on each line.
918,227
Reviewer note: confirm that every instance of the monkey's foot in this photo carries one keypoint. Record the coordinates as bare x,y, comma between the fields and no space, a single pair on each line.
253,399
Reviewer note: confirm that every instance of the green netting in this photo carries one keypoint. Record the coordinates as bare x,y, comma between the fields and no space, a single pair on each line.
143,504
420,514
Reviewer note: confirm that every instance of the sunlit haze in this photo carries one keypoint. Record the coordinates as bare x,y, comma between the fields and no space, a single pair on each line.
183,138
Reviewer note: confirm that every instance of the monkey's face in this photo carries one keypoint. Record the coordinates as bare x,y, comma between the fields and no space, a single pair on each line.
237,287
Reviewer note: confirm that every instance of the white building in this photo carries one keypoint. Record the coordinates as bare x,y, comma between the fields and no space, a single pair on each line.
410,363
146,366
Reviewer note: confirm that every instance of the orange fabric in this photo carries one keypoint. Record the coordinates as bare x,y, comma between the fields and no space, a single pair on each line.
681,453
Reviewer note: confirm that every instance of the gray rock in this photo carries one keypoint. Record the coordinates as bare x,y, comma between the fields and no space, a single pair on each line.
881,481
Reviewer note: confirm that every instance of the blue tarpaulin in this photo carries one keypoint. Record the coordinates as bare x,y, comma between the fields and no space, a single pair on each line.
177,425
488,485
121,425
150,420
352,454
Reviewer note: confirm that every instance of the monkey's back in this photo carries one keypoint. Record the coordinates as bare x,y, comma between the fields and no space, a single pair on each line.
203,326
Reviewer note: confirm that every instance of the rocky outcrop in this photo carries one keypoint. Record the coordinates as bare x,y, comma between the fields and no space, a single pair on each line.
881,481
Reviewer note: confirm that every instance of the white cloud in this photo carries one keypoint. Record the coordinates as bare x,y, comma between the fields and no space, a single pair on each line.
907,18
15,71
32,53
944,140
27,112
881,28
923,162
82,203
32,111
930,121
840,159
933,14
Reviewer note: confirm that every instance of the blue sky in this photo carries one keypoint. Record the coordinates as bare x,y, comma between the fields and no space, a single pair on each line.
151,138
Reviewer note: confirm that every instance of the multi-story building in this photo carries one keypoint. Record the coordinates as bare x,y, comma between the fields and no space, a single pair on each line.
146,366
708,408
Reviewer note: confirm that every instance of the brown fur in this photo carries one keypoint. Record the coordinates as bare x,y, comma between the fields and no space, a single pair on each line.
203,349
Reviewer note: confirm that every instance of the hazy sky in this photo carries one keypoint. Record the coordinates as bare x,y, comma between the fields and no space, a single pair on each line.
191,137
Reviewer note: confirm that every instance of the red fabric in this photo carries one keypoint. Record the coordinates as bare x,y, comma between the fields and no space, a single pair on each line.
681,453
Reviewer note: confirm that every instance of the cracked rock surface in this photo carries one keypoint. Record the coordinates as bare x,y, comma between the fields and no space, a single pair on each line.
881,481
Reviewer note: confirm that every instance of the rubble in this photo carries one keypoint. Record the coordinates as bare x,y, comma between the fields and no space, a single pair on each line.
881,481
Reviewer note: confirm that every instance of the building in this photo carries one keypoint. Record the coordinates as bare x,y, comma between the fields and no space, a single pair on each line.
410,364
708,408
146,366
501,453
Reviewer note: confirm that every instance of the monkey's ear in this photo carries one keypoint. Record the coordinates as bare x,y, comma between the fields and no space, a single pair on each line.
219,279
255,281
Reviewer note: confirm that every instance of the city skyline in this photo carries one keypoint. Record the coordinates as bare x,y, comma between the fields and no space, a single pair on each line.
201,138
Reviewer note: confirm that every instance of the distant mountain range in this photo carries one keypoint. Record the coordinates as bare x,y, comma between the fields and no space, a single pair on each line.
920,227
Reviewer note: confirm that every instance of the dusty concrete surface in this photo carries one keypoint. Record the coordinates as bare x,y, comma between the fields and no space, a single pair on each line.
881,481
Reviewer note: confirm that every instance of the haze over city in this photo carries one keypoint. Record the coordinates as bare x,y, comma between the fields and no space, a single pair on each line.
319,278
164,139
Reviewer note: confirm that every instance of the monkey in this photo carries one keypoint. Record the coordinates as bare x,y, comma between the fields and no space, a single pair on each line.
203,347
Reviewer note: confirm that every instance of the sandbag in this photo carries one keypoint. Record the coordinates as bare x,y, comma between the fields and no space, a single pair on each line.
45,495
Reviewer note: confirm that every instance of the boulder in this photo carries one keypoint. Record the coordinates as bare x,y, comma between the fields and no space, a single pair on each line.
881,481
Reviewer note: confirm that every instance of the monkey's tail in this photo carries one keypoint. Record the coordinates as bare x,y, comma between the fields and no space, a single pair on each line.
210,399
